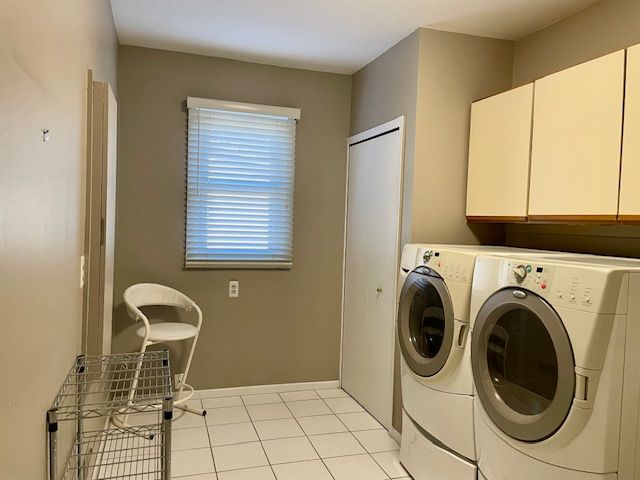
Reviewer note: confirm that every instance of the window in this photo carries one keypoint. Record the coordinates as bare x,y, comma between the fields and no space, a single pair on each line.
239,184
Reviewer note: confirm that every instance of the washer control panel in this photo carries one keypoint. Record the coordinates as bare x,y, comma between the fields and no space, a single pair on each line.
450,266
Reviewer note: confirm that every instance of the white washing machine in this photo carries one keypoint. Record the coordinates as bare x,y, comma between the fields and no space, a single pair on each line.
437,384
556,366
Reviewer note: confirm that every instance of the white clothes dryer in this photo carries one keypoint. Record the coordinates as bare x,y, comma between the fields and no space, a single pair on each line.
555,362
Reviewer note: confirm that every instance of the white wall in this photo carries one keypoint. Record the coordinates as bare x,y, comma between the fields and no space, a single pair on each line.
46,48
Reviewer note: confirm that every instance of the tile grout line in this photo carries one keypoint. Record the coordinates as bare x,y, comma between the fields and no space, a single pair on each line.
213,457
304,434
261,444
307,437
354,436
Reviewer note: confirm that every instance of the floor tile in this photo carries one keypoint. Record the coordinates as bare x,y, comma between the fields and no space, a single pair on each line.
203,476
192,403
332,393
191,462
359,467
310,470
182,419
307,408
302,395
230,434
189,438
390,463
321,424
376,441
225,415
271,411
261,399
286,450
282,428
138,419
343,405
259,473
221,402
336,445
359,421
235,457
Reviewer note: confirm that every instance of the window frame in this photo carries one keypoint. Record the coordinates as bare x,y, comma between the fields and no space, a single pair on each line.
258,109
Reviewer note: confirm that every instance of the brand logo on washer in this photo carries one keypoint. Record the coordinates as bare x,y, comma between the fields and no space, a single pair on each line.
427,256
519,294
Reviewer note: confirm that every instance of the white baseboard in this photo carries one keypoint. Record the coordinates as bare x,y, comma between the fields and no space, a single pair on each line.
257,389
396,435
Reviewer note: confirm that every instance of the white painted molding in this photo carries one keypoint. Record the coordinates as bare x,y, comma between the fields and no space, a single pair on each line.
257,389
396,123
396,435
195,102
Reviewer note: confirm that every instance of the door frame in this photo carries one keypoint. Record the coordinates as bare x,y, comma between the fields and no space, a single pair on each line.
397,123
101,161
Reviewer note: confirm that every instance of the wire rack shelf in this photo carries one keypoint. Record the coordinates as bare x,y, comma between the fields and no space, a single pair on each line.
118,387
98,386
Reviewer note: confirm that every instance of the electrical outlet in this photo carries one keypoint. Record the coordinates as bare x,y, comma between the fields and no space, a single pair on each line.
178,379
234,288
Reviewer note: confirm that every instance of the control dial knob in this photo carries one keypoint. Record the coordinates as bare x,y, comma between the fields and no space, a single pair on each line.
520,273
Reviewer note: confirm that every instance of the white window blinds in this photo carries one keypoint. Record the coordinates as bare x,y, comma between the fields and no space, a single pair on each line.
239,184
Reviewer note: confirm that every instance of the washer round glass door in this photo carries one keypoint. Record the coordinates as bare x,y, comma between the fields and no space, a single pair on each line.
523,365
425,322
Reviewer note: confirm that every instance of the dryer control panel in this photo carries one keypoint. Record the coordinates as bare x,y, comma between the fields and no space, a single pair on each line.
581,287
535,277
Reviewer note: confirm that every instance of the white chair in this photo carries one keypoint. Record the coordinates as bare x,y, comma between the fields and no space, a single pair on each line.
153,294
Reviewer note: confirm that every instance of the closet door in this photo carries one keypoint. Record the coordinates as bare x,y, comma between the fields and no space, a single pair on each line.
371,268
629,191
577,131
499,153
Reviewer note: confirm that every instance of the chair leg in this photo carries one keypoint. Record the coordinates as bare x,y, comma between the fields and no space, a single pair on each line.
121,420
181,404
187,408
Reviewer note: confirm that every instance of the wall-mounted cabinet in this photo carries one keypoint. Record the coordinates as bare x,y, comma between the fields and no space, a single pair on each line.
566,165
577,133
499,150
629,209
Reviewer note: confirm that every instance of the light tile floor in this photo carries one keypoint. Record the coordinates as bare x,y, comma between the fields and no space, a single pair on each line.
307,435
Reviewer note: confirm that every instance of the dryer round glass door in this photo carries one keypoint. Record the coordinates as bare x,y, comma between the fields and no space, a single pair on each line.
425,322
523,365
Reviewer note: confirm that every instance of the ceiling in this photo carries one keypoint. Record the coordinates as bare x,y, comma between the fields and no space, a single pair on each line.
326,35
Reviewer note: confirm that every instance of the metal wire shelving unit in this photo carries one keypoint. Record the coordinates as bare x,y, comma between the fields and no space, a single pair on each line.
132,393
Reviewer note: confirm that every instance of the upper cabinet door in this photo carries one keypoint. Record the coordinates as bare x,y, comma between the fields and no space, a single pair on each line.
577,131
499,152
629,191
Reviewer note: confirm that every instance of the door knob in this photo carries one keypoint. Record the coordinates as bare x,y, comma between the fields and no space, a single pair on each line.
379,290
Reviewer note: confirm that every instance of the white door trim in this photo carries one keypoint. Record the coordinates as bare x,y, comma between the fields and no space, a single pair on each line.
375,132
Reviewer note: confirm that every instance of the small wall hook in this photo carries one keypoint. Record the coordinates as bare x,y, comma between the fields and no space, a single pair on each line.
45,134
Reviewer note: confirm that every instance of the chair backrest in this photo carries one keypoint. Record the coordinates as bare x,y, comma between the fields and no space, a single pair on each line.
147,294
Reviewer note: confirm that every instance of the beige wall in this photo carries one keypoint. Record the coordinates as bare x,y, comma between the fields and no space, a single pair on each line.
454,70
432,77
45,51
383,90
285,326
607,26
